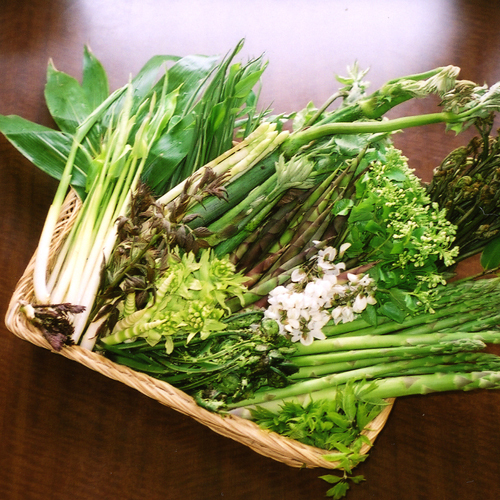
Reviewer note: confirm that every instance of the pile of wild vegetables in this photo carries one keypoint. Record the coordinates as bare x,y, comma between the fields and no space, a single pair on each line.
288,269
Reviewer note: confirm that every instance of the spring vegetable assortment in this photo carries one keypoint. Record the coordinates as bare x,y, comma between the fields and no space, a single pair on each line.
287,269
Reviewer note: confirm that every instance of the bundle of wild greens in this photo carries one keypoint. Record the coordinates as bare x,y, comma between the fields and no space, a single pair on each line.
353,192
293,277
162,126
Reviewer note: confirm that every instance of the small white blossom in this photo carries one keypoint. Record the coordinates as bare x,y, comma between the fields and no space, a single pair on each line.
347,314
328,253
360,303
343,248
353,278
298,275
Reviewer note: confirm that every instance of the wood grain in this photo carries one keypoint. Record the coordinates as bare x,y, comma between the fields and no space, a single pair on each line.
69,433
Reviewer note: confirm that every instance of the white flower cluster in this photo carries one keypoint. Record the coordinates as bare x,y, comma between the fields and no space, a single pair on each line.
316,295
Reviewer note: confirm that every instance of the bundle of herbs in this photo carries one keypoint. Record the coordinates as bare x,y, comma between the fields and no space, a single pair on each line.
295,275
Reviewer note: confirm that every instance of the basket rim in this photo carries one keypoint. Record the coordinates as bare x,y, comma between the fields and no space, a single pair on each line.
248,433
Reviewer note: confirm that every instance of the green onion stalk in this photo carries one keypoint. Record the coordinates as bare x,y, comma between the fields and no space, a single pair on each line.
92,236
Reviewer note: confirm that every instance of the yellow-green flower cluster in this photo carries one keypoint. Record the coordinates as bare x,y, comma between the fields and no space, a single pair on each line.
416,229
189,300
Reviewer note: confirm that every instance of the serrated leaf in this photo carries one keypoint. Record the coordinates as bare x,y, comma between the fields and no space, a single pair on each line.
349,403
335,457
338,491
490,257
338,419
342,206
373,227
395,174
357,479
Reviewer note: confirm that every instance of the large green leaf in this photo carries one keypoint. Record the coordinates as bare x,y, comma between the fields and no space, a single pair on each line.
490,258
149,74
189,74
46,148
94,81
142,85
167,154
246,84
392,311
66,100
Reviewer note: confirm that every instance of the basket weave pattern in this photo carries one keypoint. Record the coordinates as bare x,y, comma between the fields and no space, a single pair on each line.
269,444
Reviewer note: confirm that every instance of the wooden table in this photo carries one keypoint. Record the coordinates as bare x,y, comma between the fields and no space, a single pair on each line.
69,433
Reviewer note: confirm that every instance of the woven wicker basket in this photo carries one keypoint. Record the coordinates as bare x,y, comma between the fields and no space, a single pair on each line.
266,443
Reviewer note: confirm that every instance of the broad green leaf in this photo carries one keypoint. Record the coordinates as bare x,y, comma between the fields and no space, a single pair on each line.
392,311
397,248
166,154
149,74
342,206
245,85
370,315
143,83
400,297
217,116
373,227
395,174
190,73
490,258
46,148
351,144
94,81
363,212
330,478
66,100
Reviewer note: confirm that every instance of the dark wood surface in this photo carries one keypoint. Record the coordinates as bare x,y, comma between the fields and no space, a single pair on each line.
69,433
